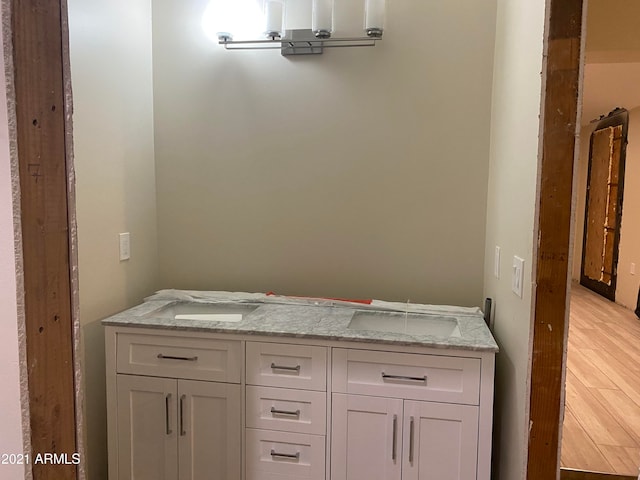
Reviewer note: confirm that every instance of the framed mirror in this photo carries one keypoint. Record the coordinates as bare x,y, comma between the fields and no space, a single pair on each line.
603,209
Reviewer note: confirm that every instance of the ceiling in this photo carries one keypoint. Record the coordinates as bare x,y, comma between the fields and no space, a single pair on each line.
607,86
612,70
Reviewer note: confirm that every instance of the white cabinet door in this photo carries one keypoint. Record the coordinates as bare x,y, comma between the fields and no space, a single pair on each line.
147,428
366,438
440,441
209,430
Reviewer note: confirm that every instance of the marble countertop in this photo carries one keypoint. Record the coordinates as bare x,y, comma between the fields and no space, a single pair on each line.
306,321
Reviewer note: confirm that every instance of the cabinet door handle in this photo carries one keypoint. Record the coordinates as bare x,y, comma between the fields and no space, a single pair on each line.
295,456
405,378
167,401
281,367
411,441
184,359
394,447
182,430
285,412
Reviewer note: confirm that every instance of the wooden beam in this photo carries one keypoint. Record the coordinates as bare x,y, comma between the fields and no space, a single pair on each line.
558,147
38,75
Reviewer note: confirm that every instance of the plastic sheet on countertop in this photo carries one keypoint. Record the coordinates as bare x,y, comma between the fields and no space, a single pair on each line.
243,297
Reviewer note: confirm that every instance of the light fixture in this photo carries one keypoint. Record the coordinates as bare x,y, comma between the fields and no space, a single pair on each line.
232,20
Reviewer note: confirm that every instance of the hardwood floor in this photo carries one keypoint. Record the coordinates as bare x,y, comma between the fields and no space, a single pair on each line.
601,429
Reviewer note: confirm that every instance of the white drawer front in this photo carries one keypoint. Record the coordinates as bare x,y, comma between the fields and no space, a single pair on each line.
179,357
289,366
299,411
411,376
283,455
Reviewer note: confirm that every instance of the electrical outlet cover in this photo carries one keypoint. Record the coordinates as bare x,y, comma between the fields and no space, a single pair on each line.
517,279
125,246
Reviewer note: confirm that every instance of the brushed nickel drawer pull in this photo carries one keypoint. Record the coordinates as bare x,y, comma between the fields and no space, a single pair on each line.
411,441
285,412
395,438
281,367
294,456
184,359
167,399
182,430
404,378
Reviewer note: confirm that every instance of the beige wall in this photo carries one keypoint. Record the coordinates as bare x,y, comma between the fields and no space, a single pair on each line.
110,45
612,28
359,173
629,249
511,219
11,440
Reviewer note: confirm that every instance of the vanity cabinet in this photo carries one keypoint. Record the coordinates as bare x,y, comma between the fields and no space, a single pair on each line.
285,411
174,427
392,439
401,428
186,405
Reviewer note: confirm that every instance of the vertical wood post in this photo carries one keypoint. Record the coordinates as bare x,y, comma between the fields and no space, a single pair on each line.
551,315
40,125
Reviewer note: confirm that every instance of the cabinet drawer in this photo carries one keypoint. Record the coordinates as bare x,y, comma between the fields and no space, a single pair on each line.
283,455
299,411
284,365
412,376
183,357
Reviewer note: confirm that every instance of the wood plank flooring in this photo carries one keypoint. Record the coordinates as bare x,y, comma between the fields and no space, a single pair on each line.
601,429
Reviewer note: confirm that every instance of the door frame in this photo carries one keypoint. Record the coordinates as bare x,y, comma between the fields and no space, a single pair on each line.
39,97
619,116
562,68
562,72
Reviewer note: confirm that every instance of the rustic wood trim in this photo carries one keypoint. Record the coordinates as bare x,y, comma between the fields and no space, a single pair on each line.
560,116
40,125
568,474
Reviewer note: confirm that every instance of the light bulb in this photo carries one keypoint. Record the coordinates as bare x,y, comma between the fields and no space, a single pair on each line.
232,19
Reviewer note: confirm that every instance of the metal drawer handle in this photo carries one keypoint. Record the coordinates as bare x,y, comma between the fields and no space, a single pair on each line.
184,359
182,430
167,399
281,367
411,441
285,412
404,378
395,438
294,456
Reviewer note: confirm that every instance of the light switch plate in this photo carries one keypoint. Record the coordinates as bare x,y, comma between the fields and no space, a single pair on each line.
517,278
125,246
632,270
496,263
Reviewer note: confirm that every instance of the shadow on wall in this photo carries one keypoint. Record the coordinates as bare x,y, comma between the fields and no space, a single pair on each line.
505,371
95,400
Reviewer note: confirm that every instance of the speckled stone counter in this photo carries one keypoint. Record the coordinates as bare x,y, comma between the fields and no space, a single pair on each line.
306,321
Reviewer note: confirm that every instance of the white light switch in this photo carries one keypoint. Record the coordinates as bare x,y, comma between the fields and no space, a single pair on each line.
496,263
517,278
632,270
125,246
